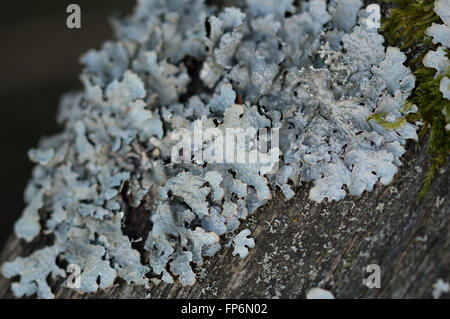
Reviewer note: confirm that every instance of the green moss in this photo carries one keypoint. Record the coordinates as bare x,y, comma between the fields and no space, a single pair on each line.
405,27
379,117
431,104
406,24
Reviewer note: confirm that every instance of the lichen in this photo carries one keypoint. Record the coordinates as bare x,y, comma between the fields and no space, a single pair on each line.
422,29
313,85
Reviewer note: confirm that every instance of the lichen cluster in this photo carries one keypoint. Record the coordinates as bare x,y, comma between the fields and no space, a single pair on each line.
318,73
419,26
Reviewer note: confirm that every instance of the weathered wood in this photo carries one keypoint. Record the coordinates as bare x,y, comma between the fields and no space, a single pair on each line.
300,244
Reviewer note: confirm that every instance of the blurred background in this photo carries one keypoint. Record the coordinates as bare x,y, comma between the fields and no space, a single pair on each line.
39,61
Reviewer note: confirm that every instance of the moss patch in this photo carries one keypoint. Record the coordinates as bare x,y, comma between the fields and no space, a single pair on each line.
405,27
379,117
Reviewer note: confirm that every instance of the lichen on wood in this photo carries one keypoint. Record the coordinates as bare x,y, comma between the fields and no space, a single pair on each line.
320,74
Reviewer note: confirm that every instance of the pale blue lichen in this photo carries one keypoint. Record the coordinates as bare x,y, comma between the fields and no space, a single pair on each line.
437,60
34,270
441,34
445,87
242,243
320,75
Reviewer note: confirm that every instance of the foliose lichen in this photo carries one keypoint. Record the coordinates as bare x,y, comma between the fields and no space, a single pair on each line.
422,27
317,73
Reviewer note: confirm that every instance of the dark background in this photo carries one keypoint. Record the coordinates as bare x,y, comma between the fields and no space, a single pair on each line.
39,61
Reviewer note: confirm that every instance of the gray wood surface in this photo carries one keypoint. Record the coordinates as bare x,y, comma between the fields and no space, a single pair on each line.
300,245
